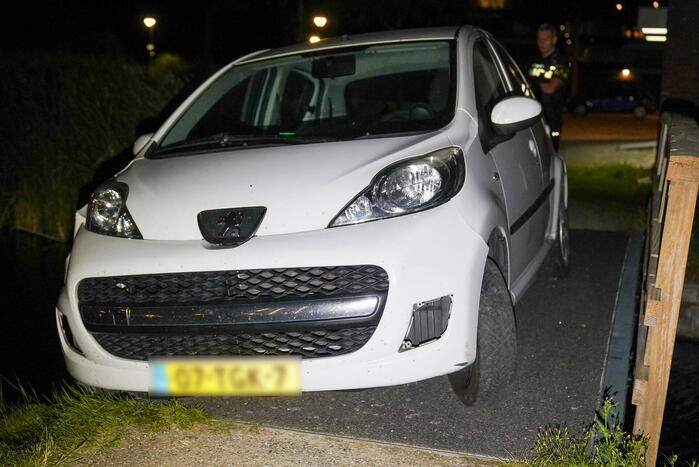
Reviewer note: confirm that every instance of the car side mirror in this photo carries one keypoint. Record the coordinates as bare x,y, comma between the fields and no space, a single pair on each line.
141,142
513,114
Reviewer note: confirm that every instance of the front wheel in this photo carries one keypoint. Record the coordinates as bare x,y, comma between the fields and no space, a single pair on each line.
484,381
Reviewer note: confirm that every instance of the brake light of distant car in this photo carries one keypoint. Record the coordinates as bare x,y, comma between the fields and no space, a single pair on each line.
408,186
107,213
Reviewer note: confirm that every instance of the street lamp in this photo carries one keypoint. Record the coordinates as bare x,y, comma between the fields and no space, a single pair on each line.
150,46
320,21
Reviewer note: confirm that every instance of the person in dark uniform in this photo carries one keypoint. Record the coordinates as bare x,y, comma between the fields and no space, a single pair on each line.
549,72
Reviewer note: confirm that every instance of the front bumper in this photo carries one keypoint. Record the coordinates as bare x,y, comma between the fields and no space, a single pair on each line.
426,256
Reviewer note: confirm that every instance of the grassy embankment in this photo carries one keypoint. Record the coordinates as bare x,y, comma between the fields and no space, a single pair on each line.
62,118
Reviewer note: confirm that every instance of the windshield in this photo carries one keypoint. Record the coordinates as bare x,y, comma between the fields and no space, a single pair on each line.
325,96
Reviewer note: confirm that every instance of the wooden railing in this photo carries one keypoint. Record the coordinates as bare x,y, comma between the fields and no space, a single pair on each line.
676,182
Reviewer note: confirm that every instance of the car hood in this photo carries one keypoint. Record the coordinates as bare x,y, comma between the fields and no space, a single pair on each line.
303,186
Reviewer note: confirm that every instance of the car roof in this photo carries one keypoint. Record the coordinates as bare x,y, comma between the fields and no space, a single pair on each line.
401,35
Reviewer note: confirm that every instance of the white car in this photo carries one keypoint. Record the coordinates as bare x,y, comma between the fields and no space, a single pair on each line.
355,213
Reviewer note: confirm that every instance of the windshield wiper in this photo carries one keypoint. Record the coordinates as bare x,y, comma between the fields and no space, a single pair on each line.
224,140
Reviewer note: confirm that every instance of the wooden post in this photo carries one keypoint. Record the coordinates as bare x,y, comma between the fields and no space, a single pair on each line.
663,300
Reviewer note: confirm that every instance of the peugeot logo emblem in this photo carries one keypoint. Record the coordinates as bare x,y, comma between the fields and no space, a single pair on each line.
230,227
229,224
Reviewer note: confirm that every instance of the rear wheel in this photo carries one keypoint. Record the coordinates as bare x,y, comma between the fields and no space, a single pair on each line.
484,381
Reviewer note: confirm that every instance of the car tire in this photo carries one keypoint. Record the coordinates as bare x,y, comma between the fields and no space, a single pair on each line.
580,109
484,381
640,112
562,245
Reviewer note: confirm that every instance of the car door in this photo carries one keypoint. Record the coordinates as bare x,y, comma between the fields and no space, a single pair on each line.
516,159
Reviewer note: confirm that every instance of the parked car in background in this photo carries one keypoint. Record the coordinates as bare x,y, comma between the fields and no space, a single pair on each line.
616,99
360,212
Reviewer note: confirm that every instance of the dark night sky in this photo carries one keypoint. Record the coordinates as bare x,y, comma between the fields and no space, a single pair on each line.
231,28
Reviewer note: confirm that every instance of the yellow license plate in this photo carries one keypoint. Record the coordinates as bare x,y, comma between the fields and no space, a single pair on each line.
264,376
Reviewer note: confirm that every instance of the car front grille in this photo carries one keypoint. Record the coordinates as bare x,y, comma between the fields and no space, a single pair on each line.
236,285
307,344
285,311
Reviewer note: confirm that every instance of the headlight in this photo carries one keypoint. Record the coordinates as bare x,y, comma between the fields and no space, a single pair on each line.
408,186
107,213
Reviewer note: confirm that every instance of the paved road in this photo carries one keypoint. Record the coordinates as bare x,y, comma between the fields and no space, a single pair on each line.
563,330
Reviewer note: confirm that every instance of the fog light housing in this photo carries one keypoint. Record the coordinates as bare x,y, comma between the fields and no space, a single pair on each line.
429,321
67,333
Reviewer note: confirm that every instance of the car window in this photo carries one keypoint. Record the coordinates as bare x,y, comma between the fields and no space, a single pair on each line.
225,113
342,93
229,107
520,86
489,89
296,99
488,85
398,92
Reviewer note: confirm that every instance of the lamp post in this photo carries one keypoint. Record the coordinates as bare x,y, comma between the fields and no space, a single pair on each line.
150,46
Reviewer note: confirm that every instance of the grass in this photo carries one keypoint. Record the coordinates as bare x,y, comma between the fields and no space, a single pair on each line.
602,443
621,191
616,183
34,433
617,191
